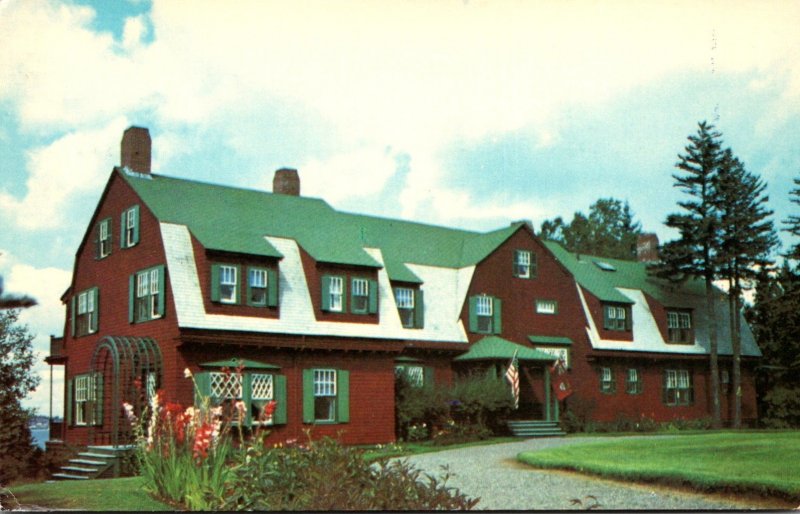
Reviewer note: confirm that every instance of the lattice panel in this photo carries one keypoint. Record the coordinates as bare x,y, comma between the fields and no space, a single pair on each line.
225,386
261,387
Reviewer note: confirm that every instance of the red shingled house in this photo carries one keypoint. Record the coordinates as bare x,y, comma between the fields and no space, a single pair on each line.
322,307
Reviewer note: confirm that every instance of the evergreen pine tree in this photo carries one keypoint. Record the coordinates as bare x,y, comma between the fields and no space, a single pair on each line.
793,223
694,254
746,240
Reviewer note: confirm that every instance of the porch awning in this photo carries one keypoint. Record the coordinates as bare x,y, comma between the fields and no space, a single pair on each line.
497,348
559,340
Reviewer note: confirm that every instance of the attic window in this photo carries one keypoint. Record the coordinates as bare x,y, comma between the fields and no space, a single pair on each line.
605,266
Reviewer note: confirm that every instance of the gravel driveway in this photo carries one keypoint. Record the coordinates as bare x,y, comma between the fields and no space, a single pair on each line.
492,473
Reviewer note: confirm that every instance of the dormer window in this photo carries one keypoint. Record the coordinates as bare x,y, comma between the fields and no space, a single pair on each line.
332,293
360,290
616,317
409,306
485,314
257,282
227,284
679,327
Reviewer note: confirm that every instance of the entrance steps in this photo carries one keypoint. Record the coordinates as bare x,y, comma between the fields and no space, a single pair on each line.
95,462
535,428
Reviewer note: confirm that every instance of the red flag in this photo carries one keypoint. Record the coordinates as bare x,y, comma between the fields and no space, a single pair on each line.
561,385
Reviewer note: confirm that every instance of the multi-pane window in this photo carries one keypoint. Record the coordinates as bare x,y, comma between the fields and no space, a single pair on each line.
84,396
257,282
633,381
104,238
415,375
615,317
335,294
484,311
607,383
227,284
679,327
262,391
404,297
245,395
130,227
86,312
522,264
324,394
546,307
360,291
147,294
678,387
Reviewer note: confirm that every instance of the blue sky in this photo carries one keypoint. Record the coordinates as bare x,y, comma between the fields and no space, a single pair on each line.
463,113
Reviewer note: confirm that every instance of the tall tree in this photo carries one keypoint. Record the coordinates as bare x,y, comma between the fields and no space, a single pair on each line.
609,230
17,451
746,240
694,254
793,222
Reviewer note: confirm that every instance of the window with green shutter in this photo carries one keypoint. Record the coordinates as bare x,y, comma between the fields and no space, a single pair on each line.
225,283
410,306
677,387
608,384
146,294
485,314
86,308
262,394
616,317
633,381
103,239
326,395
333,293
262,287
129,227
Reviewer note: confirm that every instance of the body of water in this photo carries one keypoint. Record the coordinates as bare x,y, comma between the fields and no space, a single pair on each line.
40,435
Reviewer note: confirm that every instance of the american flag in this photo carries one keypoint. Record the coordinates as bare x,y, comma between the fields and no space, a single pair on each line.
512,375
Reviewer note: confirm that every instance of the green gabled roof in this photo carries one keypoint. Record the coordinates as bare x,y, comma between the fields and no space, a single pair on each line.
494,348
237,220
589,273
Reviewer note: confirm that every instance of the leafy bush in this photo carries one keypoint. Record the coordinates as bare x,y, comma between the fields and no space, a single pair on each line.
474,407
324,475
577,414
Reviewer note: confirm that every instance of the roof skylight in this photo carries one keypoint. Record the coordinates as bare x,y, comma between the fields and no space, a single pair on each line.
604,266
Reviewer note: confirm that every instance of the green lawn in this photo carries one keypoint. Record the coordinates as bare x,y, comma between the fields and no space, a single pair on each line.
762,462
117,494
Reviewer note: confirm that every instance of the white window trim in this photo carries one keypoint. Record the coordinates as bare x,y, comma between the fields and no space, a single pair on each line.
228,277
360,290
522,263
130,225
105,238
336,292
546,306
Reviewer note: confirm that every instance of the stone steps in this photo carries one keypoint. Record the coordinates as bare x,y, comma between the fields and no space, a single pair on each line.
535,428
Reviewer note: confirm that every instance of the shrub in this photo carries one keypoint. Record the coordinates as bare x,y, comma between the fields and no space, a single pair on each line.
577,414
324,475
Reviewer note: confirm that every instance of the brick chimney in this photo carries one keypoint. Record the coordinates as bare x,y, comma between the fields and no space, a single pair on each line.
135,153
647,247
286,182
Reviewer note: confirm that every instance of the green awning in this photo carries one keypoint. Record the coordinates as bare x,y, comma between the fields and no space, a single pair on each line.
497,348
559,340
235,363
404,358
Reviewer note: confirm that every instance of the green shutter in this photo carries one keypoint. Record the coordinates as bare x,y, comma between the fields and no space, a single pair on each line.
497,315
664,398
279,417
215,282
136,225
237,293
68,406
473,315
613,381
202,390
162,288
99,399
272,288
248,289
96,318
72,316
342,396
326,292
97,241
308,396
534,265
110,235
628,319
428,376
122,224
131,297
352,289
373,296
691,388
419,309
247,396
606,318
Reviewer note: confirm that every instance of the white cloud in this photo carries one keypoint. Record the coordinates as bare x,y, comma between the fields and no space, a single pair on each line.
362,172
46,285
75,164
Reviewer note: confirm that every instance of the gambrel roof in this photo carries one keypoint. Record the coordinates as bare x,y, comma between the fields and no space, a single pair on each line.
621,281
237,220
